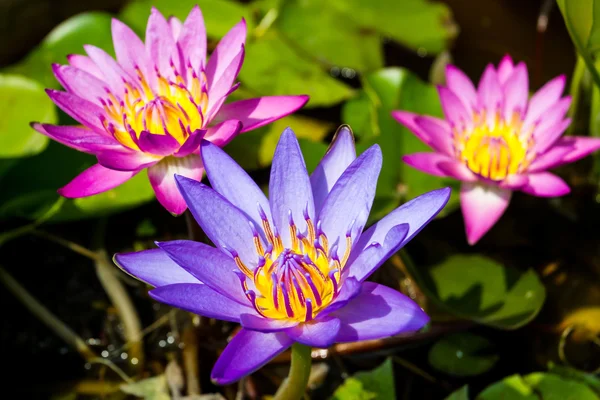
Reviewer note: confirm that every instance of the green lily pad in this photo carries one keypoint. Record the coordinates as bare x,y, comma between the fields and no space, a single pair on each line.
460,394
462,354
482,290
375,384
22,101
537,386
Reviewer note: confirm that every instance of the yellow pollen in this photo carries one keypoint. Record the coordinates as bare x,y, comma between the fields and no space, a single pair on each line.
497,151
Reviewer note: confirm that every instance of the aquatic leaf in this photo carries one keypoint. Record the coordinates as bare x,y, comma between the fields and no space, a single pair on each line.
477,288
22,101
462,354
154,388
66,38
537,386
418,24
460,394
589,379
375,384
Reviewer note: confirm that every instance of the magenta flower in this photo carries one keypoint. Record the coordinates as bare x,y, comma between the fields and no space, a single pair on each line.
155,104
496,140
290,268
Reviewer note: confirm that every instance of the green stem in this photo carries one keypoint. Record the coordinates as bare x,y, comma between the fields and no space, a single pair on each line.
294,386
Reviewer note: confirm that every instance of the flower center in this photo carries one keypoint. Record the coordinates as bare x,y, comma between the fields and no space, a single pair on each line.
293,283
495,150
176,108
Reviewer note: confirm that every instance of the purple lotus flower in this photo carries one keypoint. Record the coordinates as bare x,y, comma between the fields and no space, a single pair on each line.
153,106
291,267
496,140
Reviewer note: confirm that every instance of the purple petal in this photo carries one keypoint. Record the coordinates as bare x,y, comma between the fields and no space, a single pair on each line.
202,300
113,74
78,137
490,94
316,333
96,179
378,312
160,44
223,133
255,113
289,186
86,64
545,184
247,352
129,49
227,49
80,83
347,207
192,40
160,145
462,86
565,150
543,99
416,213
376,254
209,265
428,162
434,132
124,159
191,144
454,110
482,206
221,88
223,223
233,183
262,324
516,92
350,289
162,179
153,267
505,68
85,112
339,156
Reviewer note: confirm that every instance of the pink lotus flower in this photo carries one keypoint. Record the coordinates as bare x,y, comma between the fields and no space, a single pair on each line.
497,140
152,107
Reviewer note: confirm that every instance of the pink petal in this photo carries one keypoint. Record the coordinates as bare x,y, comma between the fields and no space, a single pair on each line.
125,159
428,162
176,26
227,49
582,146
218,91
490,94
556,155
505,68
162,179
96,179
224,132
83,111
192,40
160,145
129,49
454,110
546,184
80,83
457,170
86,64
434,132
160,44
255,113
514,181
544,139
516,92
543,99
482,206
461,85
113,73
78,137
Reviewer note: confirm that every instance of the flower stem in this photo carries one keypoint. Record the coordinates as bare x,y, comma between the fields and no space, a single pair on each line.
294,386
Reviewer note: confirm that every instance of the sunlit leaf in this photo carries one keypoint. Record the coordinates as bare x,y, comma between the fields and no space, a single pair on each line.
482,290
154,388
375,384
537,386
592,381
22,101
462,354
460,394
66,38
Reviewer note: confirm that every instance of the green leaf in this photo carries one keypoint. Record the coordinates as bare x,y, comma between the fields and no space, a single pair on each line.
375,384
460,394
67,38
22,101
589,379
272,67
154,388
462,354
482,290
418,24
219,15
329,40
537,386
